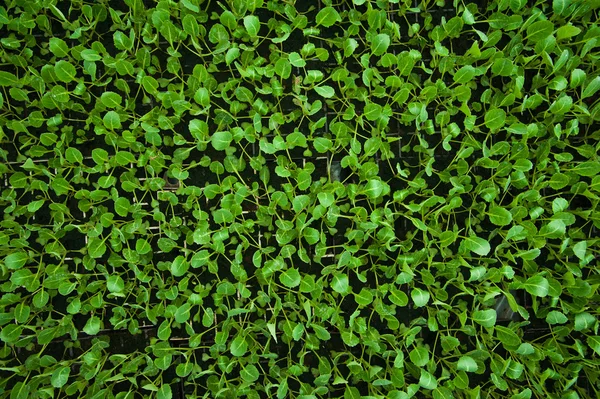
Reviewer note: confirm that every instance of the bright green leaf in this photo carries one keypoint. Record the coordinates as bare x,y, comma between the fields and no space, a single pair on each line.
252,25
290,278
340,283
485,318
499,216
65,71
420,297
16,260
327,17
537,286
495,118
179,266
380,44
325,91
477,245
60,377
221,140
239,346
468,364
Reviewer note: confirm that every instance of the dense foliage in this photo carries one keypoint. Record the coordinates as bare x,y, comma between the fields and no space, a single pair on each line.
250,198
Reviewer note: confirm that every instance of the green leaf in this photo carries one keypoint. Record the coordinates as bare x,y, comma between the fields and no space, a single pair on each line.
115,284
340,283
249,373
283,68
350,45
556,317
164,330
485,318
477,245
122,206
164,392
65,71
560,6
73,155
184,369
92,326
304,180
327,17
34,206
239,346
150,84
60,377
202,97
142,246
296,60
594,342
228,19
325,91
100,156
503,67
554,229
419,356
468,364
373,111
499,216
580,249
374,188
537,286
8,79
584,321
311,235
179,266
465,74
322,144
321,332
397,297
495,119
364,297
252,25
559,205
508,337
380,44
182,314
58,47
591,88
112,120
221,140
561,106
90,55
232,54
10,333
125,158
454,26
290,278
16,260
420,297
326,199
539,31
427,380
525,349
587,169
218,34
567,31
111,99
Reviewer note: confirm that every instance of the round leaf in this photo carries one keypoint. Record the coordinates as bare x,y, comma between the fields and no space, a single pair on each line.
221,140
290,278
327,17
380,44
